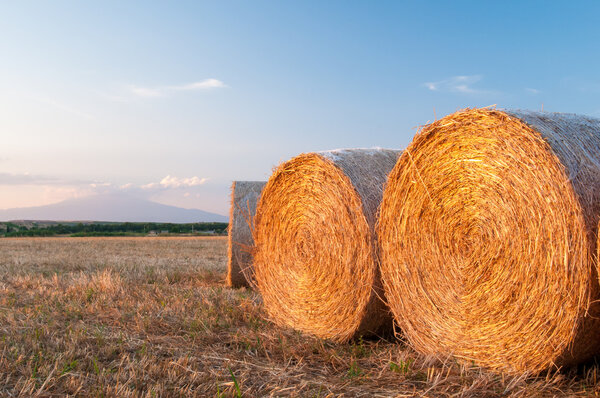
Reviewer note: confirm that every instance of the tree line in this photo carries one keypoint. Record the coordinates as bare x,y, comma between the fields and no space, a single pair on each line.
11,229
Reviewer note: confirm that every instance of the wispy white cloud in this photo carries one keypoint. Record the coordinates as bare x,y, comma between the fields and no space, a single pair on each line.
58,193
457,84
55,188
27,189
144,91
533,91
203,85
175,182
161,91
31,179
168,182
100,185
18,179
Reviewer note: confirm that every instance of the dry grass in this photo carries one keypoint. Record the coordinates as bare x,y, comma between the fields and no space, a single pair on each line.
150,317
315,255
488,228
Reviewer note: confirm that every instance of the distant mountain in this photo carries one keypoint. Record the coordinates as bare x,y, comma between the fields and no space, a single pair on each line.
112,207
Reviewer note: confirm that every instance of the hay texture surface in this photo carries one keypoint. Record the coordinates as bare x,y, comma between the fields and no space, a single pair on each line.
487,231
315,259
244,197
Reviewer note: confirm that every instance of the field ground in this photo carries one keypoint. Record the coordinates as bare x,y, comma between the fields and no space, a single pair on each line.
150,317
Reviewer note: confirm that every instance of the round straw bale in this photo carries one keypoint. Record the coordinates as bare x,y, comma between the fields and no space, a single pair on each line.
487,232
244,196
315,255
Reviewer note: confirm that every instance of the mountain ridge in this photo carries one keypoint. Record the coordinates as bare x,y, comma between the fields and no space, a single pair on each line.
110,208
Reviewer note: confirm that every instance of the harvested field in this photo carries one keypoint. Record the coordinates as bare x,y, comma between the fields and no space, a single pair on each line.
151,317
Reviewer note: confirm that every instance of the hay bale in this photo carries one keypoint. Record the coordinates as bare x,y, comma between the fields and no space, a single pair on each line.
487,232
315,255
244,196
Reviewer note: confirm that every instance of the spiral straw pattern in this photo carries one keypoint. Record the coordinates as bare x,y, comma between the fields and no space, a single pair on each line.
315,255
487,228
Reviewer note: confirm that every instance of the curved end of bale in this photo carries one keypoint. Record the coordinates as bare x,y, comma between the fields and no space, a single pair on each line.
315,251
244,197
231,279
485,252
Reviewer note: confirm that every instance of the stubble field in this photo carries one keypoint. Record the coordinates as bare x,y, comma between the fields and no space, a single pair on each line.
151,317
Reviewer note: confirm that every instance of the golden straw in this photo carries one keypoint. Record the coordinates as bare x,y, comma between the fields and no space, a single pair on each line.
487,232
315,255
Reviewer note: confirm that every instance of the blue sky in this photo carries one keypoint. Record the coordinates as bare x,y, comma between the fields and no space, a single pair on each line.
173,100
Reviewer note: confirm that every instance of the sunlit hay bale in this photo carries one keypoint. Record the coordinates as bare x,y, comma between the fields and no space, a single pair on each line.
244,195
487,232
315,257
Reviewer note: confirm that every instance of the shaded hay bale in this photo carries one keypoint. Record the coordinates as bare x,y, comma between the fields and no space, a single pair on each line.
315,258
487,232
244,197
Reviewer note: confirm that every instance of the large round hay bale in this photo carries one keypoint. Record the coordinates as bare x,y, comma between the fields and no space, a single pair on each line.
244,196
487,232
315,256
